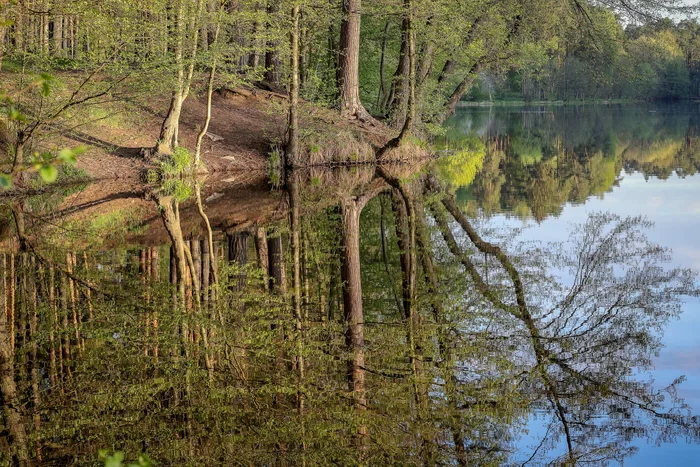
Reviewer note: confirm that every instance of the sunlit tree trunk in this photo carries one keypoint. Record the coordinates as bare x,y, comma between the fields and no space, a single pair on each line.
172,225
168,138
210,91
58,35
88,292
45,28
74,312
349,65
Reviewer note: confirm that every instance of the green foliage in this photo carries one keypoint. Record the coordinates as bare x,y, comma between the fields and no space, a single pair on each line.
274,166
179,189
654,60
11,66
116,459
460,168
538,159
45,163
176,175
178,163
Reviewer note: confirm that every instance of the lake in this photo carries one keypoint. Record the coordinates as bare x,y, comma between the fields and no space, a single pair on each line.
527,298
651,150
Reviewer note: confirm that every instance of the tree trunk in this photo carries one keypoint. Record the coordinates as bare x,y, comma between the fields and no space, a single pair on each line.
272,62
44,28
168,138
3,36
294,221
276,261
411,103
349,66
461,89
303,49
401,219
354,317
18,156
18,29
292,150
397,99
263,256
212,270
12,406
381,93
295,227
210,91
172,225
238,253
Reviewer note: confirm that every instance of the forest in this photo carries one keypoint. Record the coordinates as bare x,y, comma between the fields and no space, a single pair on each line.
248,232
656,60
400,67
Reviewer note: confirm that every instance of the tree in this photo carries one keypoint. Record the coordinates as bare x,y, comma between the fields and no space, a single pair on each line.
349,63
185,47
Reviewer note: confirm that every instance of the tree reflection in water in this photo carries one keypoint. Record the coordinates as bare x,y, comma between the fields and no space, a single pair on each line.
402,337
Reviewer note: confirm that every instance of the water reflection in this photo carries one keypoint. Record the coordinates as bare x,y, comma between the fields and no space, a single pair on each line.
532,161
370,322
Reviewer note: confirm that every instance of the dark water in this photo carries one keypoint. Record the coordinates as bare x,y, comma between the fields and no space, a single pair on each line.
505,305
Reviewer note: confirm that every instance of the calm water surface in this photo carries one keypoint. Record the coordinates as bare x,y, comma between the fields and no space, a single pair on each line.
509,304
632,160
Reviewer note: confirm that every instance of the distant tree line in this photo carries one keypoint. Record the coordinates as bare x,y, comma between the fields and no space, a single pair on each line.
655,60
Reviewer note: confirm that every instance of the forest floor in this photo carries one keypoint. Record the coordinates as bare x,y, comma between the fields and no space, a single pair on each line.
246,126
242,129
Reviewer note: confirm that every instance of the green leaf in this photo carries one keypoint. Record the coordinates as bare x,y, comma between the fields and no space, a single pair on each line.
69,155
45,79
115,460
5,181
14,114
48,173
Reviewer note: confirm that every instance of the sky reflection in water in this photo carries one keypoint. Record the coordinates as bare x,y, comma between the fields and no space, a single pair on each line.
672,203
